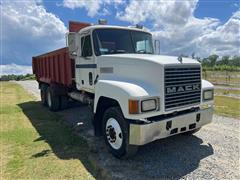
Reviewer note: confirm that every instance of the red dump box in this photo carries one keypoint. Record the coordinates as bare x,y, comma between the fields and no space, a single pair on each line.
56,67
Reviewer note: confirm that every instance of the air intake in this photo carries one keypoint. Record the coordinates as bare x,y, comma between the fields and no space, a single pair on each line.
182,87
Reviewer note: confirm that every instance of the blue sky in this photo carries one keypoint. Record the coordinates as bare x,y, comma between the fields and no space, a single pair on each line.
221,9
202,27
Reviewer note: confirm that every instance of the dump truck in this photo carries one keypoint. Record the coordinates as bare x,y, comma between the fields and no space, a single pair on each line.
136,95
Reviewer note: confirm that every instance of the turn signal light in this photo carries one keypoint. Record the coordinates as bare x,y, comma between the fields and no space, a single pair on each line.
133,106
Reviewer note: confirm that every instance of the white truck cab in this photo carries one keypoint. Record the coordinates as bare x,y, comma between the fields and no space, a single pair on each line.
137,96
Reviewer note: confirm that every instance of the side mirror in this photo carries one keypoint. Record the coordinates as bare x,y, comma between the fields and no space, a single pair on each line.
72,44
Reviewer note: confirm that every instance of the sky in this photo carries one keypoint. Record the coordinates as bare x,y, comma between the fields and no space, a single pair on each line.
203,27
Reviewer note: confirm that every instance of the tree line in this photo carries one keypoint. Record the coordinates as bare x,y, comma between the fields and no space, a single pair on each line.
13,77
214,62
217,63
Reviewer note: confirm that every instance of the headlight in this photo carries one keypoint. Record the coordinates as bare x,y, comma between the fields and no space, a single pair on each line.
148,105
208,95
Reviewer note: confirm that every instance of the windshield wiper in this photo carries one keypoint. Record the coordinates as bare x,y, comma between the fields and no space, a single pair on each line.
118,51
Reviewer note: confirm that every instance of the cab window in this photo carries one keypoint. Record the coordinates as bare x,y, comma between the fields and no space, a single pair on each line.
86,46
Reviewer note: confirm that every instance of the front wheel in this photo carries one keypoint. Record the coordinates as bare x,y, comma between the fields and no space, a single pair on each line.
116,132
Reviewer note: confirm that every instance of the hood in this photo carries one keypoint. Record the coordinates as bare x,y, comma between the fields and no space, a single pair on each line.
159,59
142,69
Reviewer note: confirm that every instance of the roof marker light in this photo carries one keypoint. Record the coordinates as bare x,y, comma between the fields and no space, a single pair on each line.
102,21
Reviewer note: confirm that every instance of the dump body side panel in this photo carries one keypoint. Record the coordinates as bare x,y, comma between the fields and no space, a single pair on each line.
54,67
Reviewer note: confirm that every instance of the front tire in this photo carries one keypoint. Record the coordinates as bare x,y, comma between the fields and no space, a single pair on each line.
116,133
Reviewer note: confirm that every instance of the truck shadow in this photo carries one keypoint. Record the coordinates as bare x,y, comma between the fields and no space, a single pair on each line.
63,143
170,158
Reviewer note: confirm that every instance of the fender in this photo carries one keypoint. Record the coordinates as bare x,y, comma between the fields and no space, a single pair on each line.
122,92
206,85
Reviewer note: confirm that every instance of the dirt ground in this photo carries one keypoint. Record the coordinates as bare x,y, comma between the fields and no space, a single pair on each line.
213,152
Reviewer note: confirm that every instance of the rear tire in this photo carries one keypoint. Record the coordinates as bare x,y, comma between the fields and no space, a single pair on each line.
64,102
43,95
189,133
116,133
53,100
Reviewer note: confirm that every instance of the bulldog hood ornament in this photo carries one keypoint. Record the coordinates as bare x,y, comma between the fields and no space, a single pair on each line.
180,59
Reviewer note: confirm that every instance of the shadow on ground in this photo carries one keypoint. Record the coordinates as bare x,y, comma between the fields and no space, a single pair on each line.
64,144
169,158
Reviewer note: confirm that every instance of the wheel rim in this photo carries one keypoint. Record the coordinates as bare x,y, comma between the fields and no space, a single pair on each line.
49,99
114,133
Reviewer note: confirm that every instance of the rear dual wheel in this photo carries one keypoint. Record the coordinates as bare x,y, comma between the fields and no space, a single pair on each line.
53,100
43,94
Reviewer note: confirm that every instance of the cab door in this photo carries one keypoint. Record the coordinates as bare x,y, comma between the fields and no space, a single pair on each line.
85,65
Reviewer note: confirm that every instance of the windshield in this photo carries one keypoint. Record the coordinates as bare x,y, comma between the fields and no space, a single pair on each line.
115,41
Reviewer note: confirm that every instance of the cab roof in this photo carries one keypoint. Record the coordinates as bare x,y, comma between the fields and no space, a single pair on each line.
93,27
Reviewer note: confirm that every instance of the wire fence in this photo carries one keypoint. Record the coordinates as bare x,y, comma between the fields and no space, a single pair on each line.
222,77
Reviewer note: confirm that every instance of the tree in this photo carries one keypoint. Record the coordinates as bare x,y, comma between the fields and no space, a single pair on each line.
213,59
224,60
205,62
235,61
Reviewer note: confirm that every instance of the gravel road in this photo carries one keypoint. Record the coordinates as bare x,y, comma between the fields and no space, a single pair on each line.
212,153
31,87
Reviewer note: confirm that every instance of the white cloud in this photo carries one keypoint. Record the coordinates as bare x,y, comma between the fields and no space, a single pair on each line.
177,40
27,30
15,69
173,23
180,32
225,39
93,7
161,11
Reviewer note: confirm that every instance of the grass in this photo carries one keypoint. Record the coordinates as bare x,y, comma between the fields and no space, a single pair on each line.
227,92
227,106
33,142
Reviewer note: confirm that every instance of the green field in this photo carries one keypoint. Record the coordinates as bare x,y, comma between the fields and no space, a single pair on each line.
227,91
33,142
227,106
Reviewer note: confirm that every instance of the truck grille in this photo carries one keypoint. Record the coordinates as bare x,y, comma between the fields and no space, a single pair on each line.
182,86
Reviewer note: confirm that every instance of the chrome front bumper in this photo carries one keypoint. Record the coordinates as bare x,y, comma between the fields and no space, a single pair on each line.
145,133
